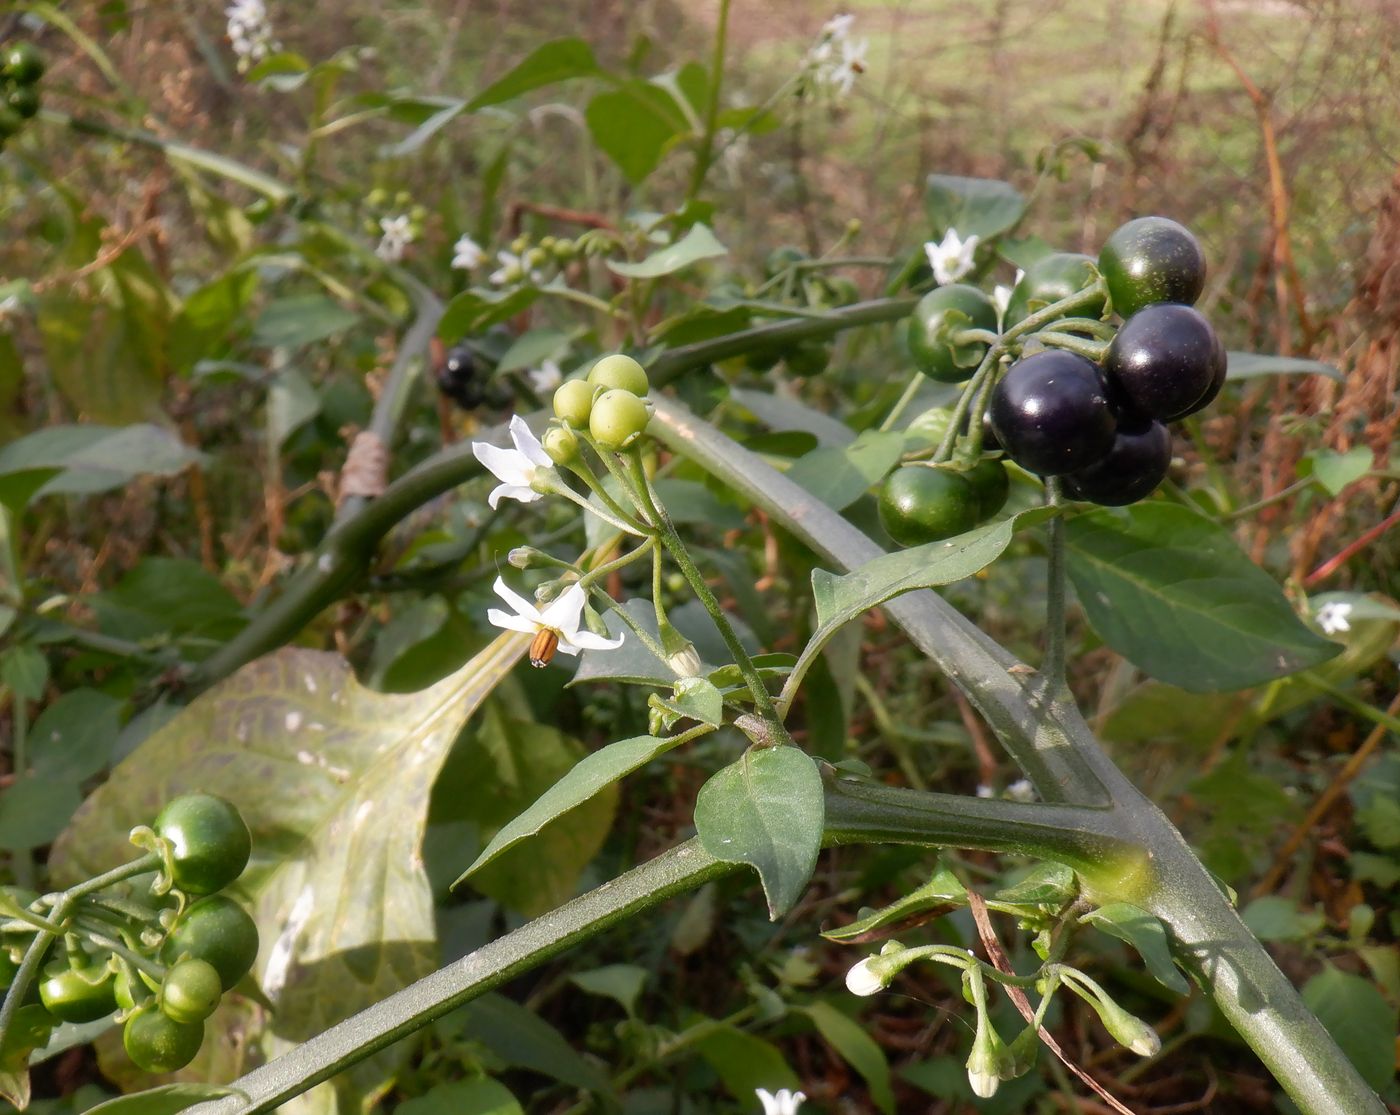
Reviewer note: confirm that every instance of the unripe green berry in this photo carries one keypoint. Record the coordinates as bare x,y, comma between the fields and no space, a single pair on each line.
618,419
191,991
560,445
573,401
518,245
620,371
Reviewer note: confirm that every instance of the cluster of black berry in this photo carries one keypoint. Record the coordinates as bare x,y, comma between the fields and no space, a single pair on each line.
1102,427
21,67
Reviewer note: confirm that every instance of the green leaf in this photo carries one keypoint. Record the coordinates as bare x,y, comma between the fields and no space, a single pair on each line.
1172,593
1247,365
840,599
1359,1020
555,61
1145,934
34,809
744,1063
778,412
448,110
940,895
165,1100
482,1096
697,244
1380,820
1275,918
972,206
533,348
291,403
332,779
29,1030
859,1049
521,1038
474,311
600,769
1335,471
209,313
698,699
24,671
81,460
623,983
766,810
72,739
301,320
1046,884
839,477
632,125
163,596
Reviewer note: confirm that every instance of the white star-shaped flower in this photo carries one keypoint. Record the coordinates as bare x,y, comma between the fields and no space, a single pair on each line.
545,378
398,234
781,1102
560,619
838,26
1021,790
1332,617
843,75
466,253
951,259
517,469
512,270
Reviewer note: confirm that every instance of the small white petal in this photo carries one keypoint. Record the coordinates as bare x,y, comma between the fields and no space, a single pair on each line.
510,466
528,444
499,618
518,492
769,1101
564,611
588,640
984,1084
522,606
862,980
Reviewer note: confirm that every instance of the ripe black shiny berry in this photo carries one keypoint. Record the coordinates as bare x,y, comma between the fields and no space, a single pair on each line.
1137,463
1219,369
1051,414
1162,362
459,378
1152,259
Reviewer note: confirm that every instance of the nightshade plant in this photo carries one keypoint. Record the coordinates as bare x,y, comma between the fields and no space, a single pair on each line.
1018,416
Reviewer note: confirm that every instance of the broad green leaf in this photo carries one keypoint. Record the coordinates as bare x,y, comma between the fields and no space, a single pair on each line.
34,809
840,599
698,699
81,460
301,319
744,1063
505,765
697,244
972,206
1275,918
1247,365
99,354
291,403
1154,711
623,983
940,895
1171,592
633,124
332,779
631,662
72,738
1145,934
163,596
558,60
839,477
861,1051
168,1099
1359,1020
1335,471
597,770
766,810
209,313
447,111
521,1038
482,1096
24,671
533,348
474,311
688,501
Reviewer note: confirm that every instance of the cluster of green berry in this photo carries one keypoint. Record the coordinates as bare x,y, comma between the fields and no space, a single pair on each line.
1080,398
21,67
165,966
610,404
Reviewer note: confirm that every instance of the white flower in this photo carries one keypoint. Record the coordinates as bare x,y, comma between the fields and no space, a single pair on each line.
781,1102
398,234
985,791
560,618
862,979
838,26
1021,790
983,1083
1001,295
842,76
512,270
517,469
466,253
545,378
1332,617
249,32
952,259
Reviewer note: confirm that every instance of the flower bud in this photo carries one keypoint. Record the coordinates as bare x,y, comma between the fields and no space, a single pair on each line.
560,445
685,662
518,246
525,557
1126,1029
865,978
853,227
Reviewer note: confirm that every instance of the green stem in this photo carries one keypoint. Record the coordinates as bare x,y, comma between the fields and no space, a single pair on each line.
1268,501
21,859
1090,350
601,571
1053,668
911,389
705,154
675,872
762,699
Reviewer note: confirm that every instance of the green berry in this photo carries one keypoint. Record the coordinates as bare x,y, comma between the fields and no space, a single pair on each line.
157,1043
618,419
940,315
619,371
24,99
190,991
920,504
218,930
560,445
209,842
573,402
22,63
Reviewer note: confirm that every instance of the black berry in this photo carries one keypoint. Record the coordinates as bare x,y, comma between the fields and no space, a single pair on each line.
1051,413
1162,362
1137,463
